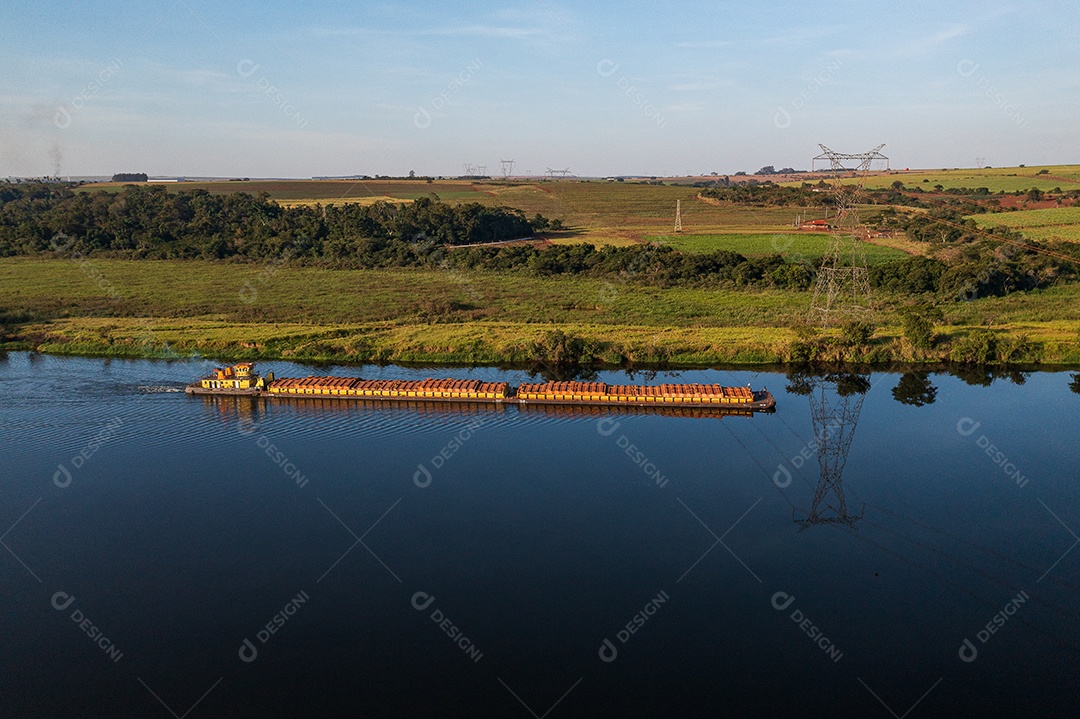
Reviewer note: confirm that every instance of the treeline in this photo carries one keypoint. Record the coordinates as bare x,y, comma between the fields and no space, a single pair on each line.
149,222
966,200
769,194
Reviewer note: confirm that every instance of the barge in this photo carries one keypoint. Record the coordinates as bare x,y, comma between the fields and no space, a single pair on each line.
242,380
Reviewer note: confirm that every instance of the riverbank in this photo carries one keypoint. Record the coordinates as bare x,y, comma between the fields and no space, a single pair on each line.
519,344
122,308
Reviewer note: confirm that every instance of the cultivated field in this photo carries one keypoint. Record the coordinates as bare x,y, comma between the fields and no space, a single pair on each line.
1058,224
807,246
599,212
1003,179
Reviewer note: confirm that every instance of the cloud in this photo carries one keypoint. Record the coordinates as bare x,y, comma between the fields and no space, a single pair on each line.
704,44
701,85
929,44
487,31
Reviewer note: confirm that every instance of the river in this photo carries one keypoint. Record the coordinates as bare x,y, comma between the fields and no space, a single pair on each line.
880,545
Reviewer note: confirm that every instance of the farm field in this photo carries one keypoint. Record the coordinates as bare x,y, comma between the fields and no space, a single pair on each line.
595,211
793,246
1003,179
1056,224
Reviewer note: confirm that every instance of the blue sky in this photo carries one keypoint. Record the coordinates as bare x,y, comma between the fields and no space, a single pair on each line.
269,89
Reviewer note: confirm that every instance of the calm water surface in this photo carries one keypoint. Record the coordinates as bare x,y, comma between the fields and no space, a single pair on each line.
169,555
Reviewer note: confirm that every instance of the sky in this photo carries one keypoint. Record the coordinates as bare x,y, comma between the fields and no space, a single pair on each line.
276,89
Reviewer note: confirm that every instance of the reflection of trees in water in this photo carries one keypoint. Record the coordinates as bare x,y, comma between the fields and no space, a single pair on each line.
915,389
836,402
1075,384
982,376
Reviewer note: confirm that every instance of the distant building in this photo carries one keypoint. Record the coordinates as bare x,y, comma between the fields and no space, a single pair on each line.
816,226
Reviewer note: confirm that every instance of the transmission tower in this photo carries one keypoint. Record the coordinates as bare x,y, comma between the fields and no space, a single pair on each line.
507,167
843,283
678,215
980,162
835,405
558,173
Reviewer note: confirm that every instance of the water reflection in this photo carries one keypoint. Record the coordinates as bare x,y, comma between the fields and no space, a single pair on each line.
836,401
982,376
915,389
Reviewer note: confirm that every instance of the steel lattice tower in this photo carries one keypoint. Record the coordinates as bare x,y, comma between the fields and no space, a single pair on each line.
835,405
843,283
678,215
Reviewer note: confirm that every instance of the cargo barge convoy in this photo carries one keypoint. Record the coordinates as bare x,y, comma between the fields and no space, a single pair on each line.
242,380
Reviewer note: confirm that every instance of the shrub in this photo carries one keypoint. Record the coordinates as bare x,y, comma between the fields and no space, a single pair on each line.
978,348
857,333
918,327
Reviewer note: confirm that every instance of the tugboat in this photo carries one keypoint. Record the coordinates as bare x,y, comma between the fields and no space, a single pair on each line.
237,379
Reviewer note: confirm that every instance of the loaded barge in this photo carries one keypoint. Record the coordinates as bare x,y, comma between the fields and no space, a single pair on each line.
241,379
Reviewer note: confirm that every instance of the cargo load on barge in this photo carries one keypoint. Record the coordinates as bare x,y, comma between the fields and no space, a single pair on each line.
241,379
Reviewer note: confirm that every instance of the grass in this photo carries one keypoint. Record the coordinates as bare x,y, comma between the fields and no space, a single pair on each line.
133,308
793,246
1056,224
59,288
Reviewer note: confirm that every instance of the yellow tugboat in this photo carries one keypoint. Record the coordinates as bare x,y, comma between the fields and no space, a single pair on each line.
239,378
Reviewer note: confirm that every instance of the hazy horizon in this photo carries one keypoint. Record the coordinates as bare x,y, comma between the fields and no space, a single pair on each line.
186,88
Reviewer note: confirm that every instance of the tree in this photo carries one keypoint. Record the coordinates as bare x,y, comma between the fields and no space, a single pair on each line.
918,327
412,175
767,170
1035,194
